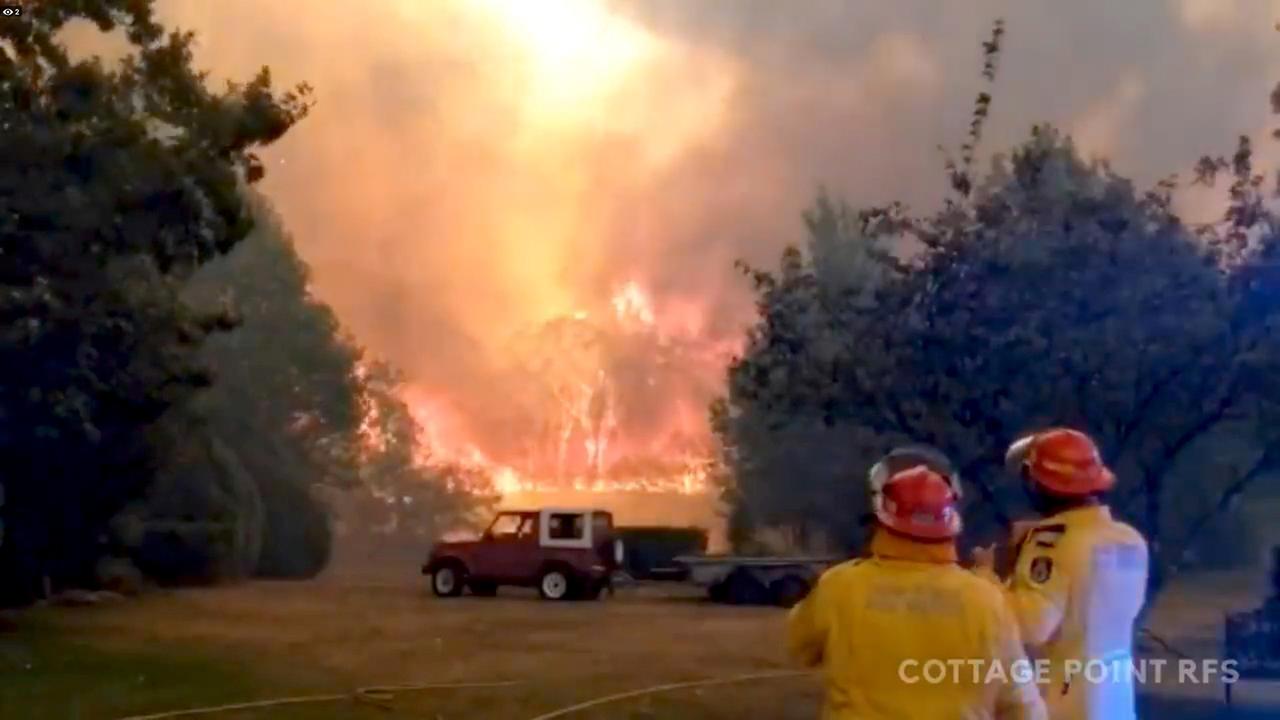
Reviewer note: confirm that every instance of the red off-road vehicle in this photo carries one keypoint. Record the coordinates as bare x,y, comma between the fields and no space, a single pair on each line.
566,554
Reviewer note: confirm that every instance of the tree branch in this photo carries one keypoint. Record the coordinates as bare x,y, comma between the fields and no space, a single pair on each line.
1269,461
1152,474
1141,410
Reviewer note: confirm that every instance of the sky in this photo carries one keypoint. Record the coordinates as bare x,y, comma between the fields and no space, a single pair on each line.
473,168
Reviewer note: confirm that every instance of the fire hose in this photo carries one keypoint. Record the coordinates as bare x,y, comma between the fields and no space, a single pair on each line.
378,695
562,712
375,695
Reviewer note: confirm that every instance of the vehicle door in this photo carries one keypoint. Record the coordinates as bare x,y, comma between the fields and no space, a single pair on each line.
492,557
526,555
514,551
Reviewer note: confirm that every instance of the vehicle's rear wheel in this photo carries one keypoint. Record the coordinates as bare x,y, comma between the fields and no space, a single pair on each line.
555,584
788,590
483,588
447,580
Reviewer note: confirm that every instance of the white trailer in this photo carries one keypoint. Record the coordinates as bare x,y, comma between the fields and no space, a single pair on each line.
741,580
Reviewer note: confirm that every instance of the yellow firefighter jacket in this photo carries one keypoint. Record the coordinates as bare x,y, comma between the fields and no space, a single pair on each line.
1077,587
907,634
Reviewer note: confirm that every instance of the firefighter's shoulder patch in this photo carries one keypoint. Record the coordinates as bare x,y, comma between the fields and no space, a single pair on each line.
1041,569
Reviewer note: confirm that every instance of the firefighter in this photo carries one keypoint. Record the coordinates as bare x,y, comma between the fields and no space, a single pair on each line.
1078,580
906,632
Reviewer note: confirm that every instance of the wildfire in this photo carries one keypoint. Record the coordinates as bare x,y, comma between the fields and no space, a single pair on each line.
607,405
631,305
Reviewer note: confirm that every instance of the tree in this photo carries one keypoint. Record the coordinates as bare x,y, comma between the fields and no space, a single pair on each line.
1070,299
287,397
118,183
202,517
1045,291
790,448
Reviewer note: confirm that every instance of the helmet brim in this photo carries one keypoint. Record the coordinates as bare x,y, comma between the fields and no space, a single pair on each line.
1103,480
1016,456
920,531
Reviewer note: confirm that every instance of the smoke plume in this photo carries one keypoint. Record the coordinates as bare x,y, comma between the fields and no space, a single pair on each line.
476,169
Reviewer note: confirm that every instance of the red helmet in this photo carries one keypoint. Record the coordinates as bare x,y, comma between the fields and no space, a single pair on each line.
1062,462
909,456
918,502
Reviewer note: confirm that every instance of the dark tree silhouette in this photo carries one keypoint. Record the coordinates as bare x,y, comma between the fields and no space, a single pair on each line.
1046,290
117,184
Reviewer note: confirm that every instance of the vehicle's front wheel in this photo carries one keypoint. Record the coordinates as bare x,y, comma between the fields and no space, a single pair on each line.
447,580
555,584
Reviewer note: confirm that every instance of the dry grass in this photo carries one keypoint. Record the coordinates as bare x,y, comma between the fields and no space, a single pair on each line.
200,647
343,633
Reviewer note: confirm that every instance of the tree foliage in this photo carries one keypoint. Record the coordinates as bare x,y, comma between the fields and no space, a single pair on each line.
118,183
1045,290
296,434
286,398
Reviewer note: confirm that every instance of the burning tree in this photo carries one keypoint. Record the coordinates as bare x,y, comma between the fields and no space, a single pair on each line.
402,488
592,402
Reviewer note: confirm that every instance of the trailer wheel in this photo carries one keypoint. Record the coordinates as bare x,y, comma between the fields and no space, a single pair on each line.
788,590
743,588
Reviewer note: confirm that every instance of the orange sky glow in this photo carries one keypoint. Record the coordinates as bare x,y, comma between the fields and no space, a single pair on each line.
533,207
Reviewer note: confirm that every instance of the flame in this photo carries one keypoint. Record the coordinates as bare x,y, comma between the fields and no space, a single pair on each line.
632,305
578,431
537,132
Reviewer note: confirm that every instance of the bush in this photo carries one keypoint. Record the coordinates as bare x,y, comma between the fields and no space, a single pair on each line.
297,537
202,519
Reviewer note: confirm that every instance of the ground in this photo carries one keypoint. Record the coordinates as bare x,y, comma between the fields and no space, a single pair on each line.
190,648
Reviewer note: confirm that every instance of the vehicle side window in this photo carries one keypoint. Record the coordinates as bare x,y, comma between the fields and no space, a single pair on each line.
565,526
601,524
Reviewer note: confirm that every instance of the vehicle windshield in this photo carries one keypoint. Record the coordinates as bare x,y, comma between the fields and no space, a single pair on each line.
512,526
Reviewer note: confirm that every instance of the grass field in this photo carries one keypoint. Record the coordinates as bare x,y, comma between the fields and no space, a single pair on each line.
191,648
